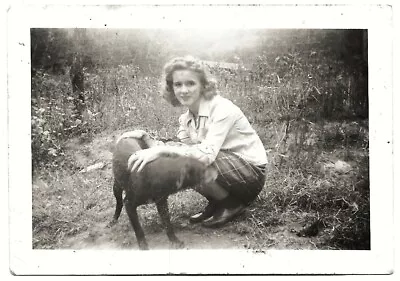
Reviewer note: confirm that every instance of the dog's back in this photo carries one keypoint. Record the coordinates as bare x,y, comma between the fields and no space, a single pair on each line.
164,176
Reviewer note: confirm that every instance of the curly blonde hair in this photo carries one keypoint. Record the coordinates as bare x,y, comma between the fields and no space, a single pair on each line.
186,63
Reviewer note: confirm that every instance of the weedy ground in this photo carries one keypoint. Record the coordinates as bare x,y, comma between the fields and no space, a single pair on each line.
321,209
316,194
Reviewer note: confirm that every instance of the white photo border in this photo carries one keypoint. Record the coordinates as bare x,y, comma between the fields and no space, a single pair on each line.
376,18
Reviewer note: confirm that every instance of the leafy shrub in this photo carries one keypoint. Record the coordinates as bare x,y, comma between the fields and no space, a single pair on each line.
303,104
54,119
127,101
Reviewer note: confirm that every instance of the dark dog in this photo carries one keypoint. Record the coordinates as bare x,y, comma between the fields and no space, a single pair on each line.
158,179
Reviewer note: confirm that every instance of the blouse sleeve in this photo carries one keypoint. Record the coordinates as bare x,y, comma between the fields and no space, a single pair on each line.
222,120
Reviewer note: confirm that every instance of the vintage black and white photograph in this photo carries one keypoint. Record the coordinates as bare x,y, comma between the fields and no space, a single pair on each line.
148,139
251,138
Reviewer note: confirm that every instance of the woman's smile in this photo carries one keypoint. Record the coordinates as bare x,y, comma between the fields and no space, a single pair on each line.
187,88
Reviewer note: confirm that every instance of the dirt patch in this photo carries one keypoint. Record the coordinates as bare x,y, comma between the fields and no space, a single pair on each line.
121,236
88,153
72,209
103,238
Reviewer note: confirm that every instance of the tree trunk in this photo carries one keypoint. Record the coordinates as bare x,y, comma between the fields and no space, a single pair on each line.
77,72
77,81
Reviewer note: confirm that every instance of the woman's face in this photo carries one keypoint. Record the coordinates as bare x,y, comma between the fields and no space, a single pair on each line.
187,88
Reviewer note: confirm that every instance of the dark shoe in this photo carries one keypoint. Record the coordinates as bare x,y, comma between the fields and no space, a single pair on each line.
207,213
223,215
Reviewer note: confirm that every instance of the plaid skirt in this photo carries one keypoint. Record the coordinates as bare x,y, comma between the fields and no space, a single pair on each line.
240,178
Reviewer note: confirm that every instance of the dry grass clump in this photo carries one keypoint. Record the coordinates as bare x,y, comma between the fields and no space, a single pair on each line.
305,109
337,204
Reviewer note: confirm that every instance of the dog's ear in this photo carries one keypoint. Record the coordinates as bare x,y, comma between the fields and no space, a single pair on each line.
210,175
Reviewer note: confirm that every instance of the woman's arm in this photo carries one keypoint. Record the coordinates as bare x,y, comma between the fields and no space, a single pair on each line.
205,152
140,158
223,115
223,119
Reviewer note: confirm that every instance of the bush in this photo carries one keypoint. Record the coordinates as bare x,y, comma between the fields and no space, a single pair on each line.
54,119
306,106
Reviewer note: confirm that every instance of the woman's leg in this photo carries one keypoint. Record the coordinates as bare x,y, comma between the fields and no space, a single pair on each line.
213,192
237,185
226,206
222,206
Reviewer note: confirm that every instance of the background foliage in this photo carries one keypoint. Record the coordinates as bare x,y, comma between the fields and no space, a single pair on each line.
304,91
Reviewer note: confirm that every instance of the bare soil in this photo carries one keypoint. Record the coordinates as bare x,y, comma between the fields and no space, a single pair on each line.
89,223
121,236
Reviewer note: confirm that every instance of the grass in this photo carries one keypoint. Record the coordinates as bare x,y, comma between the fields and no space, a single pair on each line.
66,203
304,193
70,204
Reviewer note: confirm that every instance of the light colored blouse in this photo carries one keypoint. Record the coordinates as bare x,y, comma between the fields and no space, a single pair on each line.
220,125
